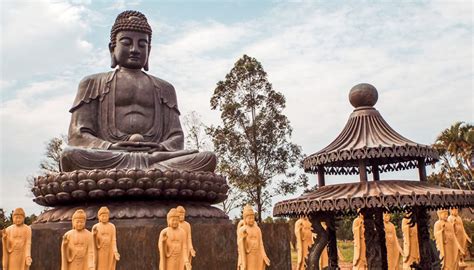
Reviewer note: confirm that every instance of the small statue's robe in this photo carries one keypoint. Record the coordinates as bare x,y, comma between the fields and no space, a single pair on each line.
172,249
304,240
189,239
105,245
447,244
358,229
17,247
250,247
393,247
93,130
78,253
411,252
461,235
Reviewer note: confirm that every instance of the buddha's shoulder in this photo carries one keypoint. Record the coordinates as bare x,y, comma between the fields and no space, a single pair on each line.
102,76
161,83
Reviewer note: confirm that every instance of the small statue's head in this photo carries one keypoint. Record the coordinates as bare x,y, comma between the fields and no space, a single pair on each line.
79,220
182,213
173,218
386,217
454,211
104,214
442,214
18,216
249,215
130,40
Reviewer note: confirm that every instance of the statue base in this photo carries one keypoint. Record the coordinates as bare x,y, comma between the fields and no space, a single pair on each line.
137,241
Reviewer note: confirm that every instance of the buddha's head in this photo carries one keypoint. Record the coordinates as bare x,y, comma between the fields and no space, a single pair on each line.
173,218
18,216
442,214
454,212
104,214
79,220
386,217
181,212
130,40
249,215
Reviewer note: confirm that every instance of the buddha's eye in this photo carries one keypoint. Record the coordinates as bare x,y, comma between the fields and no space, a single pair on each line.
125,41
143,43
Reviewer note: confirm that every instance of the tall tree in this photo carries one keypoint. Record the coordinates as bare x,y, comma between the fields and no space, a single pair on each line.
195,129
253,142
455,146
54,147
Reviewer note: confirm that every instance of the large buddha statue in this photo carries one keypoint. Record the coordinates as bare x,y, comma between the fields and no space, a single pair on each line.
127,118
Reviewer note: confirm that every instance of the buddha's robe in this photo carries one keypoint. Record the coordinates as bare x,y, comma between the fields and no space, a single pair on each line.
250,246
447,244
105,245
16,247
189,239
461,235
304,240
393,247
360,259
94,128
411,252
172,245
77,250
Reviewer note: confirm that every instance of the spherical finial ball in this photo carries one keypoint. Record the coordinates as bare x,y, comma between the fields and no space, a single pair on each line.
363,94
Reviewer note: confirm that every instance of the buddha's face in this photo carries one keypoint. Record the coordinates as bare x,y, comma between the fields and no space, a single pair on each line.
181,216
79,224
454,212
386,217
131,50
174,222
104,217
443,215
249,220
18,219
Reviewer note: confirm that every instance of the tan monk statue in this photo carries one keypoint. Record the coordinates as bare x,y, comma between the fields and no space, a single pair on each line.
360,261
172,245
77,248
239,257
411,252
304,240
250,243
391,241
105,242
127,118
446,241
16,243
187,228
461,235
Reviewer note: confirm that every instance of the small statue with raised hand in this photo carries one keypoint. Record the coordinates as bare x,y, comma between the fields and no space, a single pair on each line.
250,243
446,241
391,241
127,118
461,235
304,240
187,228
411,253
77,248
360,260
172,245
105,242
16,242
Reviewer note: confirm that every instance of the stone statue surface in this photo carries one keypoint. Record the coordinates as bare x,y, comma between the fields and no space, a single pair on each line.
105,241
304,240
77,247
127,118
411,252
187,228
446,241
250,243
461,235
360,260
391,241
16,243
173,245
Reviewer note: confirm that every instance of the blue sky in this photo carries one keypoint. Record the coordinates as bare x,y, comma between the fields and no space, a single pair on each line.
417,53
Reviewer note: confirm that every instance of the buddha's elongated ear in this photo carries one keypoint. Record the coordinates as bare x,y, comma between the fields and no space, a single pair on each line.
113,61
145,67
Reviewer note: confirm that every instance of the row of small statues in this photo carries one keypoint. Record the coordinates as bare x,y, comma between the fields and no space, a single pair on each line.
97,250
450,236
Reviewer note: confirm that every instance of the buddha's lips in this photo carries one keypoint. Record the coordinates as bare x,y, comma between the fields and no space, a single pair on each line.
135,112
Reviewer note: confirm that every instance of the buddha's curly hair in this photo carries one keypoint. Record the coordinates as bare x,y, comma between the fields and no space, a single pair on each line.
129,20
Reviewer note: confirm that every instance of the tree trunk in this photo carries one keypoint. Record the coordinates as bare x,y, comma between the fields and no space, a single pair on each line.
259,204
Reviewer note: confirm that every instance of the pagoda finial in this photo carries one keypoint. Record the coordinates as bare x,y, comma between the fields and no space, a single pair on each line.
363,94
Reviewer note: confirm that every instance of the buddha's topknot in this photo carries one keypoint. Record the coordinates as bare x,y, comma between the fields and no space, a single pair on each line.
130,20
